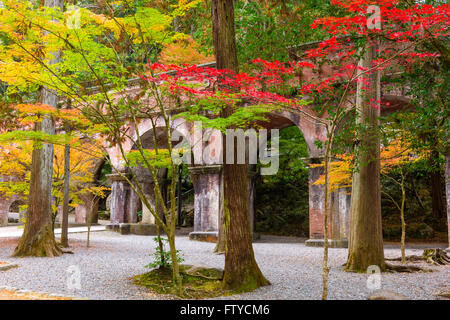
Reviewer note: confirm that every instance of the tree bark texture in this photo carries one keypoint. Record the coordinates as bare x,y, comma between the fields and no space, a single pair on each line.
241,270
366,237
38,238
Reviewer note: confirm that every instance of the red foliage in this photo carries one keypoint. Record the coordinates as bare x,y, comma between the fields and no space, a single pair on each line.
402,27
225,84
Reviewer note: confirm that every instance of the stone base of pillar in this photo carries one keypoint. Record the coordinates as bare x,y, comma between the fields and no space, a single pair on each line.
140,229
76,225
212,236
332,243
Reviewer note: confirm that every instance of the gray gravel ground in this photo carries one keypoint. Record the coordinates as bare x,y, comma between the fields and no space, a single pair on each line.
293,269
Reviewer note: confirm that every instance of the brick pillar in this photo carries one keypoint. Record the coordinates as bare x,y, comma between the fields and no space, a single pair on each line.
207,181
147,216
134,206
339,213
82,211
119,190
148,185
316,204
4,208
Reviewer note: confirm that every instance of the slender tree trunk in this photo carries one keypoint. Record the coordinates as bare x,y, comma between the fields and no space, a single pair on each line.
325,268
177,280
89,217
402,217
366,237
65,213
38,238
241,270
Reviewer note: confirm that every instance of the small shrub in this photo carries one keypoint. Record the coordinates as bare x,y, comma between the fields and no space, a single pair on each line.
161,256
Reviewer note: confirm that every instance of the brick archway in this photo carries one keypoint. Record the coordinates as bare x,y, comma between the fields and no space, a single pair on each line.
5,205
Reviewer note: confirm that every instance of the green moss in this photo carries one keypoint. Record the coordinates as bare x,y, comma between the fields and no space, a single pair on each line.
194,287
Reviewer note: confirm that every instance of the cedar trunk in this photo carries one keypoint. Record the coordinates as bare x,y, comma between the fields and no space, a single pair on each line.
38,238
366,237
241,270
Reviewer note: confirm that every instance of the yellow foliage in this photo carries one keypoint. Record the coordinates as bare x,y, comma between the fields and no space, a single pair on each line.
393,155
185,51
340,173
15,163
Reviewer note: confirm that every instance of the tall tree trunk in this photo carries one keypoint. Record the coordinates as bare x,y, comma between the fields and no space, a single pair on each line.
241,270
436,186
366,237
38,238
66,198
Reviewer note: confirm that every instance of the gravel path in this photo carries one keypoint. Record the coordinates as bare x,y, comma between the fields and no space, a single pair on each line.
293,269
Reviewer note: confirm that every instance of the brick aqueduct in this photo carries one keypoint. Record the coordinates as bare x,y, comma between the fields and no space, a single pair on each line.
207,182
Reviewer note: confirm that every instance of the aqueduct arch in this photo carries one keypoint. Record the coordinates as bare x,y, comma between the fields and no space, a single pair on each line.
5,205
207,176
207,180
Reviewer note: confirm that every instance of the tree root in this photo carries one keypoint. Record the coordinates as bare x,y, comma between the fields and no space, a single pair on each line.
405,269
436,256
432,256
407,258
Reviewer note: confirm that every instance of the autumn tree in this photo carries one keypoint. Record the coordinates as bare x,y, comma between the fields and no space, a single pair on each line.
38,238
16,160
396,160
405,31
241,270
94,75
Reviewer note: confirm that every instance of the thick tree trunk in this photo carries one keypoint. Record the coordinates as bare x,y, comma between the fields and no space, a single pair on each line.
366,237
38,238
436,186
241,270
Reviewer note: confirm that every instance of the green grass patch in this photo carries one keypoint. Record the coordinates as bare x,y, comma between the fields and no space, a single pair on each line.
194,287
